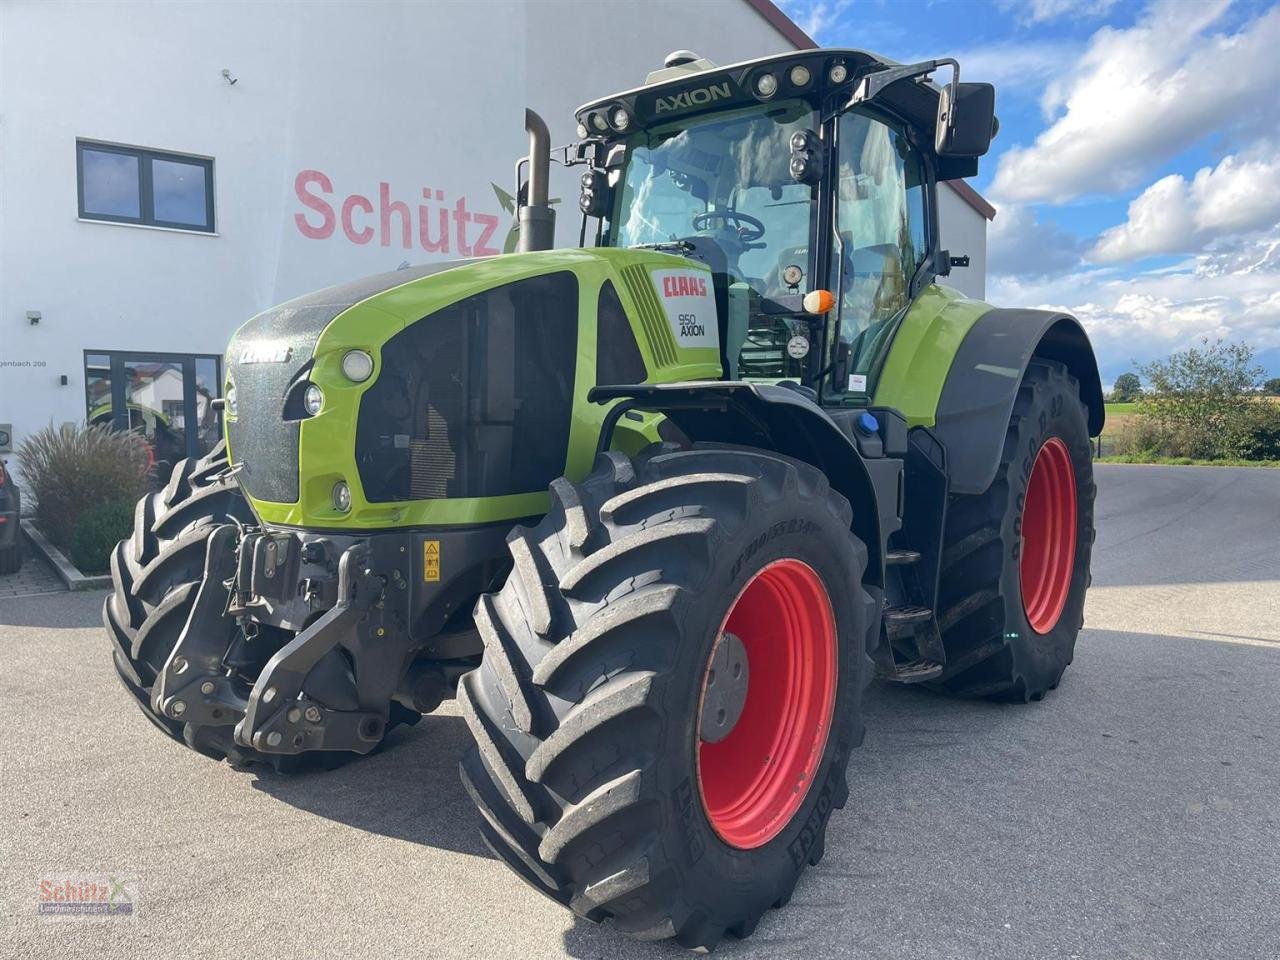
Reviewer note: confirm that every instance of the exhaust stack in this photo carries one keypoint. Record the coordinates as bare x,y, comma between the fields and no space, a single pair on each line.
536,218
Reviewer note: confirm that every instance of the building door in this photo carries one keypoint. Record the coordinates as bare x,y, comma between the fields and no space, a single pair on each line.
164,397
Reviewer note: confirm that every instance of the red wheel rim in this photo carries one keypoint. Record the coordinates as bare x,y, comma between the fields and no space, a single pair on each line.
753,781
1048,536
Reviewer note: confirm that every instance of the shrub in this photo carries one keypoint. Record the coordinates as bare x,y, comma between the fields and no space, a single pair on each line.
1259,438
1204,398
99,529
69,469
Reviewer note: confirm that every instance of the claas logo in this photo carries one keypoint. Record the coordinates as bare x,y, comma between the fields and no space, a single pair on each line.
684,286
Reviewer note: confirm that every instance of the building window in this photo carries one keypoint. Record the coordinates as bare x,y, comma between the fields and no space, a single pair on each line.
166,398
131,185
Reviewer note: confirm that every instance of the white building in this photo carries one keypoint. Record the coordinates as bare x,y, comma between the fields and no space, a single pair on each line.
264,150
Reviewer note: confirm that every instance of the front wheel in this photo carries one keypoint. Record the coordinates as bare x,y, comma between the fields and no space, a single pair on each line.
1015,562
671,689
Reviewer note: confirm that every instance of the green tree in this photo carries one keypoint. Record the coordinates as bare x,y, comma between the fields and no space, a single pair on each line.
1272,387
1127,388
1204,396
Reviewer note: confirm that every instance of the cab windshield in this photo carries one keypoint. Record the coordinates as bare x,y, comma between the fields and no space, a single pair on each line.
724,177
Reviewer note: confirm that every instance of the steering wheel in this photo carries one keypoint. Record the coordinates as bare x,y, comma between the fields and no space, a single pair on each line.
748,227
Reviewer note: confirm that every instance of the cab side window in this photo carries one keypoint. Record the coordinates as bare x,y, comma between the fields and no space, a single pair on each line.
881,218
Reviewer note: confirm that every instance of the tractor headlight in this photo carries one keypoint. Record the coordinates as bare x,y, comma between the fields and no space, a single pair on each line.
583,132
621,119
357,366
342,496
838,73
766,86
800,76
312,399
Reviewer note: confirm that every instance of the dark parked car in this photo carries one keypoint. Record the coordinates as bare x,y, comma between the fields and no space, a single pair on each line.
10,541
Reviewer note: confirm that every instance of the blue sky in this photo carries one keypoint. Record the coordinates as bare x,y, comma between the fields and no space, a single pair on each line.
1136,173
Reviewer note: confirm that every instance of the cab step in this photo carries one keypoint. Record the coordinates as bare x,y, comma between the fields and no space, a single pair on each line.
912,630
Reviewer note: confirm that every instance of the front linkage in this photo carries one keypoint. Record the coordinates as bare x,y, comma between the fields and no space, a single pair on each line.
298,643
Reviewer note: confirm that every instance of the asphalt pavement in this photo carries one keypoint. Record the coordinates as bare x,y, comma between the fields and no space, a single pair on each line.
1135,813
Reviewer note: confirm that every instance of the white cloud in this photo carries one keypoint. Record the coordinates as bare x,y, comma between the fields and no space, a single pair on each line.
1175,215
1040,11
1233,294
1019,243
1139,96
814,18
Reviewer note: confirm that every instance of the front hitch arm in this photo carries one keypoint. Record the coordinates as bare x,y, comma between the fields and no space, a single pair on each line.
278,718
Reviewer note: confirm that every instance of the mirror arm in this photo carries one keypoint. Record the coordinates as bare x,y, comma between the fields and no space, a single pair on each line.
873,84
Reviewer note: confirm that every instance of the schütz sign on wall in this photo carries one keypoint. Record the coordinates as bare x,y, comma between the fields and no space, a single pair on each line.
434,222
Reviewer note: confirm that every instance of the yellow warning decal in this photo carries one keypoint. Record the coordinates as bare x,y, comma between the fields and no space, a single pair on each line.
431,561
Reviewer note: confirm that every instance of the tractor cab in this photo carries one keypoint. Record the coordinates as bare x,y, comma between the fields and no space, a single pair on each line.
805,182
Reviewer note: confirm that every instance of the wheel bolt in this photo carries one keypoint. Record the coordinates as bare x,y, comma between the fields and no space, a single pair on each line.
179,664
207,688
313,714
179,708
269,694
294,715
273,739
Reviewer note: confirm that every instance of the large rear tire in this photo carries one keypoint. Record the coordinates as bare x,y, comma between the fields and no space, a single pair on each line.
1015,563
599,777
155,574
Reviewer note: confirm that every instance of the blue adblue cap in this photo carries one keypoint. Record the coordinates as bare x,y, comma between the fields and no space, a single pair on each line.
867,423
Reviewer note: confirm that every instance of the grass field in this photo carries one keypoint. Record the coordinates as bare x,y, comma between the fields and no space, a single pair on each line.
1121,409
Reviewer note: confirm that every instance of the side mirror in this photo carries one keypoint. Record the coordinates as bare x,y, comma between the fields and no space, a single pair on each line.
966,120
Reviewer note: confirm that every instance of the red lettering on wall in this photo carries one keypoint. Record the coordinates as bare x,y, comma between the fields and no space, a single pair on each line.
387,206
490,224
356,236
300,184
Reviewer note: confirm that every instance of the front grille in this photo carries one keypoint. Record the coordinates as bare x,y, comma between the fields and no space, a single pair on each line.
261,440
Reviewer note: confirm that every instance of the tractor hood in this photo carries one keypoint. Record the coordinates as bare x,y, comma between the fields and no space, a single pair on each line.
268,357
469,400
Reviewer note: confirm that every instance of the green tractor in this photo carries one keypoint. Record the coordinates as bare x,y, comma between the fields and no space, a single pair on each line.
654,510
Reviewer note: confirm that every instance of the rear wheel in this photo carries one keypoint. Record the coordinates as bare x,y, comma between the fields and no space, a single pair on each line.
1016,558
671,689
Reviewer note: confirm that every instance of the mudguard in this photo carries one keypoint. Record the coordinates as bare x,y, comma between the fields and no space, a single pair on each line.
978,394
772,418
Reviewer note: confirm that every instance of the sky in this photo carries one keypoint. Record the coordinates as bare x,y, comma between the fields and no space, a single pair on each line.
1135,175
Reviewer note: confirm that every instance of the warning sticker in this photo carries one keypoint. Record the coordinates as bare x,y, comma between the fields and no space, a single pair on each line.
431,561
690,305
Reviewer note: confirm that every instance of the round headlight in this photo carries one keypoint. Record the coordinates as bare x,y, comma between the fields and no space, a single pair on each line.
357,365
342,496
599,122
799,141
621,119
313,399
800,76
230,399
766,85
583,131
799,167
838,73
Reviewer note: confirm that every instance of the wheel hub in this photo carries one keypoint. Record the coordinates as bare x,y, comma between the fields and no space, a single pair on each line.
755,770
1048,547
725,694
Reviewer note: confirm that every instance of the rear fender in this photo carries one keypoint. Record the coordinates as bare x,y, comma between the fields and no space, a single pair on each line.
978,395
